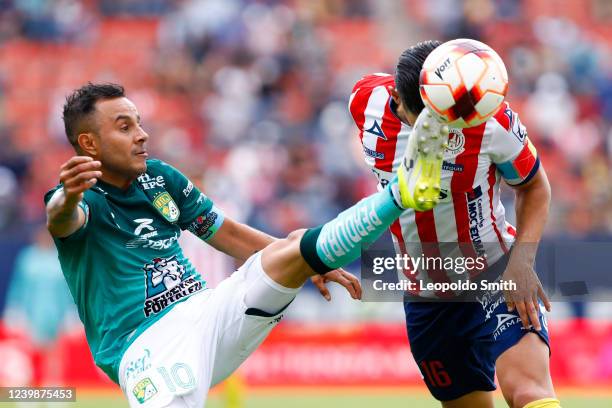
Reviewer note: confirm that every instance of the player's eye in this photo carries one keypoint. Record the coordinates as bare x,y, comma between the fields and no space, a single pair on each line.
124,128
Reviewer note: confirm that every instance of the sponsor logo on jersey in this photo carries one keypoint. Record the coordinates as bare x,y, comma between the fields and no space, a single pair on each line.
144,241
144,223
201,226
452,167
489,302
456,142
476,218
373,153
445,196
138,365
147,182
376,130
166,206
166,283
504,321
518,130
144,231
187,190
201,198
144,390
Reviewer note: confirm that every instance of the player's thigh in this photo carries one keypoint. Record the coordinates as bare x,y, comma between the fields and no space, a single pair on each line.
523,371
247,323
168,364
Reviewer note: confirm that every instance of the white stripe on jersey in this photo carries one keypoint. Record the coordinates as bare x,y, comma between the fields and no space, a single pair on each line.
374,112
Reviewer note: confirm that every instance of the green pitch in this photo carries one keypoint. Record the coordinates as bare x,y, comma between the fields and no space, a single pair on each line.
308,400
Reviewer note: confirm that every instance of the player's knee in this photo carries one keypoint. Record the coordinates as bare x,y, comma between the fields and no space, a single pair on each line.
283,260
293,240
295,237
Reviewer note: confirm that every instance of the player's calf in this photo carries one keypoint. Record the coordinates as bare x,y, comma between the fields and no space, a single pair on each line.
524,375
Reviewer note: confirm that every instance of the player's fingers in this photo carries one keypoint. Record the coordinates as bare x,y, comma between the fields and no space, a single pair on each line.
544,297
73,161
355,282
75,188
84,186
67,174
347,285
522,312
533,311
82,177
320,284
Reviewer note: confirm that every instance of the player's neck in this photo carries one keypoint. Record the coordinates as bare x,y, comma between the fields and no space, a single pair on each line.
119,181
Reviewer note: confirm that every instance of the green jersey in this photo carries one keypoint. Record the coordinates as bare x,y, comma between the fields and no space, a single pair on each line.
124,266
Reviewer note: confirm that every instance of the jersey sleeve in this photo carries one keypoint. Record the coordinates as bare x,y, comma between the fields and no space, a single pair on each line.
84,204
511,150
198,214
369,108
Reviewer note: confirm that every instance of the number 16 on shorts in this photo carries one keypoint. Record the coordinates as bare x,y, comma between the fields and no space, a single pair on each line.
434,373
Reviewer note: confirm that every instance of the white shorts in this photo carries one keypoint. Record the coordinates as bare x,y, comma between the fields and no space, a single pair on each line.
198,343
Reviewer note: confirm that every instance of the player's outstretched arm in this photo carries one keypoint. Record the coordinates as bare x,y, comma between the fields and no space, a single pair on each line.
64,216
239,240
532,202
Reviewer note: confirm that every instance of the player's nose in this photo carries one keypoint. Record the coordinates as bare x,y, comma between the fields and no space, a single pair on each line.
142,136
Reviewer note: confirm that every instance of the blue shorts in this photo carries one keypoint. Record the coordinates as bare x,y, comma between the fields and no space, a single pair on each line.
456,344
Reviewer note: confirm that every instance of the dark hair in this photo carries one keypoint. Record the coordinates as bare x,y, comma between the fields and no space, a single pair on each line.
408,71
81,103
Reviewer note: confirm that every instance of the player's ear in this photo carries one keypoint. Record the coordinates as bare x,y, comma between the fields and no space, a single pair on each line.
394,94
87,143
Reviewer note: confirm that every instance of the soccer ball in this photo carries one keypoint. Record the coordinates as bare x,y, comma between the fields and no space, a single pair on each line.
463,82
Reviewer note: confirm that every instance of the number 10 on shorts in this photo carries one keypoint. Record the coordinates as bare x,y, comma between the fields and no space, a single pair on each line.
179,376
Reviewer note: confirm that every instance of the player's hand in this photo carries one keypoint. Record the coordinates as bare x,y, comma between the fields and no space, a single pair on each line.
77,175
348,280
528,290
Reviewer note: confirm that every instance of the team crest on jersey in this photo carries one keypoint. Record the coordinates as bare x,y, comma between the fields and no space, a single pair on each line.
456,142
166,282
167,207
144,390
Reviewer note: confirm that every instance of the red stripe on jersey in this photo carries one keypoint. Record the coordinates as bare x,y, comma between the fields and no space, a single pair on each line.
511,230
410,273
491,181
462,183
426,227
391,127
358,106
502,116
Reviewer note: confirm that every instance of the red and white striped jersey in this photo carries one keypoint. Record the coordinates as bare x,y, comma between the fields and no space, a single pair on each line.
470,211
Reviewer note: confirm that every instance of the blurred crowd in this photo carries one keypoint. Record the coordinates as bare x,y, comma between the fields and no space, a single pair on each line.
249,98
